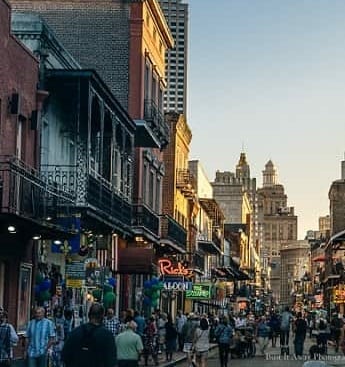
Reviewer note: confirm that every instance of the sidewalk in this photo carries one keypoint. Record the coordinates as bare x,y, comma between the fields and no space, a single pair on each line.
178,357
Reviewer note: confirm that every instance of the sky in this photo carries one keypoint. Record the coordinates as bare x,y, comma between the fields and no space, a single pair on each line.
268,77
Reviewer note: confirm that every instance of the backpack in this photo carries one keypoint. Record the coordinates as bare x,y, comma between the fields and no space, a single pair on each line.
322,325
81,350
5,341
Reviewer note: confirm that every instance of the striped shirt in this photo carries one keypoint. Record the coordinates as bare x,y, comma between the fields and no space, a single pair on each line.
39,332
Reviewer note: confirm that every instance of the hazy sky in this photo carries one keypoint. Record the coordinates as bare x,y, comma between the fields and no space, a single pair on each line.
270,75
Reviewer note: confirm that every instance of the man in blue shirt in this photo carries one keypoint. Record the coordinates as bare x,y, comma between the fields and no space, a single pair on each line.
40,336
286,319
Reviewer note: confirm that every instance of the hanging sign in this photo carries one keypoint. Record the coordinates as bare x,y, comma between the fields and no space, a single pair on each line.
177,285
199,291
166,267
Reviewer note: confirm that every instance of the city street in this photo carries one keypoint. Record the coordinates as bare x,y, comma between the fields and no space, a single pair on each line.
272,358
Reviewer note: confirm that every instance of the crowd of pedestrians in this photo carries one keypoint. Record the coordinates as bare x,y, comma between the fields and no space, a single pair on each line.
107,340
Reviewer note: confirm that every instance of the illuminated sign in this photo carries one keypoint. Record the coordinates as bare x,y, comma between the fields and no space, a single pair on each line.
339,295
199,291
166,267
177,286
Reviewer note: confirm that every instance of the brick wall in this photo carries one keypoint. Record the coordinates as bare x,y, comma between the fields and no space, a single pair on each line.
18,74
96,33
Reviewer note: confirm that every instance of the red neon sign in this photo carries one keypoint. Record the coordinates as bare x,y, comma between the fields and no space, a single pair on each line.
166,267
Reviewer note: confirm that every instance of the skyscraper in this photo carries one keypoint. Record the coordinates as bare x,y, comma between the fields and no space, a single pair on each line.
176,14
279,224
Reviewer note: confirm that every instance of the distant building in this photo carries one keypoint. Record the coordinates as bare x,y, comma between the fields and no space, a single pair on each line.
175,97
279,224
336,196
324,226
295,281
236,195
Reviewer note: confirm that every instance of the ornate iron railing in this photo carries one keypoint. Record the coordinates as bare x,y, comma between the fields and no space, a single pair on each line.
26,193
108,202
144,217
156,121
173,231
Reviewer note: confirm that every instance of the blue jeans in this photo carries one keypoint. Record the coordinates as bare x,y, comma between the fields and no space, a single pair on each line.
40,361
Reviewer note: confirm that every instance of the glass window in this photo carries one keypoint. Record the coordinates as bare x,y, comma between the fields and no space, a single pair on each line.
145,182
151,189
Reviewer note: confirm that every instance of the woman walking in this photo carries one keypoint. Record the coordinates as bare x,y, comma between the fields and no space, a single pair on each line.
224,334
201,343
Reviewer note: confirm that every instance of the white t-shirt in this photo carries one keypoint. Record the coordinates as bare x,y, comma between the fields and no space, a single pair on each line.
201,340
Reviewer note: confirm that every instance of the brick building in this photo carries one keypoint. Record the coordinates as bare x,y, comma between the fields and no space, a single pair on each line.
19,100
125,42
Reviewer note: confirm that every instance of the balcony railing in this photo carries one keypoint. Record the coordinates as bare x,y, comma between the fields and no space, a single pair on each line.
199,261
65,176
173,231
186,182
108,203
24,192
155,118
90,190
217,239
145,218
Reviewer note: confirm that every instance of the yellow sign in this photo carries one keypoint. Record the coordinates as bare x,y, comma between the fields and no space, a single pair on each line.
339,295
74,283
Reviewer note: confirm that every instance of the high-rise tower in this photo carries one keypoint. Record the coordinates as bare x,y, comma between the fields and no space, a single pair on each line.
176,14
279,224
336,197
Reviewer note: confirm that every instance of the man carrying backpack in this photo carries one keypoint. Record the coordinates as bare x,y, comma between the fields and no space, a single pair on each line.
8,337
91,344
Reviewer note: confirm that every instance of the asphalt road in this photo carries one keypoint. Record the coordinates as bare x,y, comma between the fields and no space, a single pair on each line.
274,359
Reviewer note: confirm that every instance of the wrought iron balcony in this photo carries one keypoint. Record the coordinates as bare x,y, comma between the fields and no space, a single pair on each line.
156,121
92,191
144,219
64,176
186,182
102,197
199,261
25,193
173,231
217,238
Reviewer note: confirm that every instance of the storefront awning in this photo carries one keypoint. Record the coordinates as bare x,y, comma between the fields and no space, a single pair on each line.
135,260
231,273
209,247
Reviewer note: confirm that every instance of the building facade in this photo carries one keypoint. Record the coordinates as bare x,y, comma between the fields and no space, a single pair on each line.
279,225
125,42
296,280
20,101
336,197
175,97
